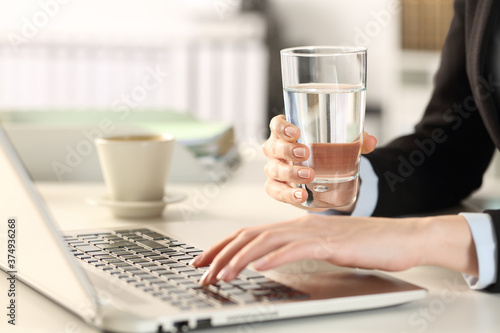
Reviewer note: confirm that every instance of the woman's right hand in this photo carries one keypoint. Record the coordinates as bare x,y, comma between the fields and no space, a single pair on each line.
282,150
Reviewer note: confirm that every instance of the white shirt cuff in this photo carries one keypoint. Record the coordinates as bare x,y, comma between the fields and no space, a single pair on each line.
368,192
484,238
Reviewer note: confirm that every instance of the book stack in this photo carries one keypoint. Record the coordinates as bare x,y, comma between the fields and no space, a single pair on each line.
425,23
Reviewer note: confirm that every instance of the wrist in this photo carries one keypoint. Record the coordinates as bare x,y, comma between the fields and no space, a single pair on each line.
446,241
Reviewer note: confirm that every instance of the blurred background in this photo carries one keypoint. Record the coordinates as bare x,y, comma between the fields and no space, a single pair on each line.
214,63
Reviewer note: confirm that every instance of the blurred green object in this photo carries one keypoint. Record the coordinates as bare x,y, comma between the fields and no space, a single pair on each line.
201,137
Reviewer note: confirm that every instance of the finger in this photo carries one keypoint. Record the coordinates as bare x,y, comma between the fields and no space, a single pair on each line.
284,172
369,143
265,242
285,150
285,193
224,255
243,237
283,129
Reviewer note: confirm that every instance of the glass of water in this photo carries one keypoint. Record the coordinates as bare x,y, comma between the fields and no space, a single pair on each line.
324,89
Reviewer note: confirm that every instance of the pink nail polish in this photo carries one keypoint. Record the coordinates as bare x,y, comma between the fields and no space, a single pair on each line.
299,152
195,260
204,278
304,173
291,131
260,263
223,274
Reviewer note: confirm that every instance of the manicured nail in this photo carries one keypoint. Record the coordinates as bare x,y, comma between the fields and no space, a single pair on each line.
260,263
204,278
291,131
297,194
304,173
195,260
223,274
299,152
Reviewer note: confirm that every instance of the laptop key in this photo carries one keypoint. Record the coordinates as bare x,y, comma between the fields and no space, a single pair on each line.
147,264
230,292
111,260
249,286
157,268
190,285
195,276
75,242
186,260
130,269
91,260
87,248
243,298
120,252
238,282
156,257
150,244
166,261
141,250
155,235
149,254
103,256
168,251
182,269
181,256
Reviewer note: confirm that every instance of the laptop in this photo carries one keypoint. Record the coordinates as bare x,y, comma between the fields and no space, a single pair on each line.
137,279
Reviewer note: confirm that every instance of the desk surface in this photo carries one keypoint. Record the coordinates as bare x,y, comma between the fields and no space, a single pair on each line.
214,210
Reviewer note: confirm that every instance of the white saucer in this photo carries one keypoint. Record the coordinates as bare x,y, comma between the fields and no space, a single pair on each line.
136,209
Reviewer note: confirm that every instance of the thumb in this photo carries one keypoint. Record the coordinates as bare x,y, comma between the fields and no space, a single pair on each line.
369,143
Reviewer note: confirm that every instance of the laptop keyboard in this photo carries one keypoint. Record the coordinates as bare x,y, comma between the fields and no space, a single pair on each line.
159,265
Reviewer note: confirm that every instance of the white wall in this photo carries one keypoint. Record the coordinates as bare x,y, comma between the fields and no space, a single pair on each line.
77,55
370,23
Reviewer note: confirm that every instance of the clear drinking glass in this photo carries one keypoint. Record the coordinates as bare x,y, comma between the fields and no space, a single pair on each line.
324,89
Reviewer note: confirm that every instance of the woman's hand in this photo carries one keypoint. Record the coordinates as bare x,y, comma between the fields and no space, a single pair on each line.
370,243
282,150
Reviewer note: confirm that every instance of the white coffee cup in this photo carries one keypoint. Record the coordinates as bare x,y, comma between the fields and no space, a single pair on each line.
135,167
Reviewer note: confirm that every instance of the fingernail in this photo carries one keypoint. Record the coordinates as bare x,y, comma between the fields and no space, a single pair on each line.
291,131
260,263
195,260
297,194
204,278
223,274
299,152
304,173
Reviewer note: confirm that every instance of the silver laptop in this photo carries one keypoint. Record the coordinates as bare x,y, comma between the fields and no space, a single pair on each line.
139,279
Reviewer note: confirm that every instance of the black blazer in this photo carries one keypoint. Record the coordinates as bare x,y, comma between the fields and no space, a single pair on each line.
443,161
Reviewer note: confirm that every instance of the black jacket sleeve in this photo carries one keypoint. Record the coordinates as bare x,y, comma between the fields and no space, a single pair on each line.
443,161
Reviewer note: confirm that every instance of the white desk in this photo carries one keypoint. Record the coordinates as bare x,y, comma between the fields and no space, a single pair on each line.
450,307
